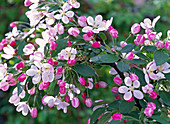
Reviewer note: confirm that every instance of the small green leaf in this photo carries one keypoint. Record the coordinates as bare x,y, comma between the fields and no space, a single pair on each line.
20,88
123,67
114,105
167,75
160,56
149,48
128,48
142,56
96,114
138,61
102,36
50,89
20,48
126,107
165,97
84,70
160,119
106,58
105,118
53,8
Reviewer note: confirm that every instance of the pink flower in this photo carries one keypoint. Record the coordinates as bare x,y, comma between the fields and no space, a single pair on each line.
82,81
148,88
33,112
88,121
71,62
47,72
140,39
61,83
151,36
53,45
12,43
134,77
130,100
102,84
153,95
88,102
60,28
19,65
114,33
43,85
115,90
75,102
151,105
117,80
160,44
27,3
4,85
96,85
32,91
135,28
67,98
96,45
29,49
89,33
148,112
82,21
86,37
50,61
123,44
43,102
117,116
3,71
62,90
13,24
59,71
9,52
22,77
130,55
167,45
69,43
73,31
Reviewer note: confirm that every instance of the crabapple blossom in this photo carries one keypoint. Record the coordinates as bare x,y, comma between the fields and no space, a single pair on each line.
12,43
69,43
63,105
153,95
67,98
148,23
160,44
167,45
128,90
53,45
117,80
60,28
96,45
148,88
151,105
50,61
33,112
29,49
148,112
130,100
90,83
24,107
75,102
50,100
123,44
134,77
112,71
27,3
130,55
74,3
115,90
117,116
47,72
139,39
88,102
9,52
71,62
37,56
135,28
73,31
13,24
4,85
3,70
82,81
114,33
68,53
102,84
43,85
64,13
22,77
82,21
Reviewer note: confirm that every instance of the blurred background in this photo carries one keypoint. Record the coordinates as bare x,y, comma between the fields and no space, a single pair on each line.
124,12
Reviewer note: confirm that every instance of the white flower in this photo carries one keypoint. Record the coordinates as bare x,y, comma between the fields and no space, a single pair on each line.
50,19
68,53
38,56
24,107
63,105
28,49
47,72
148,23
129,88
9,52
35,72
3,71
12,34
74,3
64,13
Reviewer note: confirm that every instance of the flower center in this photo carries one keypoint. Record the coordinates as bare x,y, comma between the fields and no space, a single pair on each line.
38,72
95,25
103,24
47,68
62,13
69,54
131,88
73,1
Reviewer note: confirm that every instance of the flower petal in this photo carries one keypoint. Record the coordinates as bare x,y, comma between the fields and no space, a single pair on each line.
90,20
86,29
138,94
70,14
65,19
123,89
127,95
136,84
128,81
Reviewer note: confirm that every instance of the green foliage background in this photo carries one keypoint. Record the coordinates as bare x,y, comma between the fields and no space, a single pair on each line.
125,13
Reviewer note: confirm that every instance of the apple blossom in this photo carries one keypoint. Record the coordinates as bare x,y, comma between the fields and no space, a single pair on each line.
153,95
167,45
160,44
22,77
9,52
151,105
139,39
29,49
82,21
102,84
123,44
117,80
115,90
75,102
114,33
96,45
82,81
130,55
74,3
88,102
148,24
73,31
33,112
27,3
68,53
24,107
3,70
148,112
116,116
135,28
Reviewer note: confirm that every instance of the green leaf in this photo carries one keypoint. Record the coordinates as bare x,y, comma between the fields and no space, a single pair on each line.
141,55
138,61
84,70
46,49
160,119
114,105
20,88
102,36
128,48
20,48
53,8
105,118
106,58
160,56
96,114
116,122
167,75
50,89
149,48
126,107
165,97
123,67
61,44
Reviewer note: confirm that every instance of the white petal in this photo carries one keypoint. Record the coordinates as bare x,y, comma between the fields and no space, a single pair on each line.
123,89
36,79
90,20
136,84
86,29
65,19
138,94
31,72
98,19
25,111
9,50
70,14
127,95
155,21
128,81
6,56
58,16
143,25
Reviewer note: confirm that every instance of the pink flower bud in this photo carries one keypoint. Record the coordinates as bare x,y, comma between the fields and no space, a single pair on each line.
32,91
89,33
71,62
55,62
151,105
4,85
82,21
167,45
53,45
44,103
33,112
43,85
117,80
102,84
1,46
151,36
160,44
96,85
82,81
4,41
61,83
75,102
74,31
67,98
22,77
148,31
153,95
115,90
114,33
12,43
118,97
13,24
123,44
96,45
140,39
60,28
20,65
130,100
69,43
88,121
134,77
110,28
62,90
27,3
130,55
117,116
86,37
88,102
148,112
84,95
135,28
50,61
59,71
